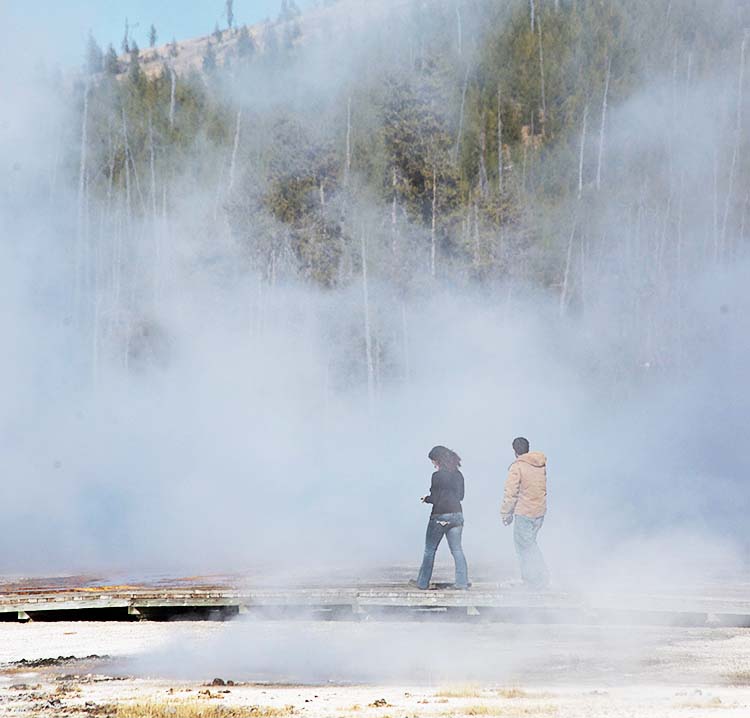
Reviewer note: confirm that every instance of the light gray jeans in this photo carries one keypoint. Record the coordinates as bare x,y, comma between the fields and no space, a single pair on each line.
533,569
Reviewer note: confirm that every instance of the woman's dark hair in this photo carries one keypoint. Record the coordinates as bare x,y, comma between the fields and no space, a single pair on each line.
444,457
521,445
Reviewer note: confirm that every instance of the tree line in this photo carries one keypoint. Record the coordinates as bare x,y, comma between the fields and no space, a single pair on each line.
470,142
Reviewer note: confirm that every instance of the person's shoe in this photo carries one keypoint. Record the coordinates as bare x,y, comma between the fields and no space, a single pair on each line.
413,582
453,587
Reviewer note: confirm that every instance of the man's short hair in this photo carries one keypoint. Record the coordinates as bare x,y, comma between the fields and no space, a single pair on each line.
521,445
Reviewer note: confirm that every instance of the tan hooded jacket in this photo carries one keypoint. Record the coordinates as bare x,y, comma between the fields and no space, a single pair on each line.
526,486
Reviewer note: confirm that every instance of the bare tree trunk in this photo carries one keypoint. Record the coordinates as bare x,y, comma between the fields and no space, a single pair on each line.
483,181
477,239
673,121
499,143
566,275
81,218
368,334
583,274
137,182
172,97
727,203
532,13
459,30
433,229
680,208
154,214
405,341
662,241
638,222
55,163
116,270
743,220
163,240
348,166
99,278
603,127
152,167
219,189
111,177
235,148
275,256
716,205
322,192
737,142
461,114
128,191
376,358
129,159
541,73
394,212
582,151
466,225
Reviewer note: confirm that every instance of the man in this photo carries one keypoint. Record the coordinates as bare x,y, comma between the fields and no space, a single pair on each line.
525,498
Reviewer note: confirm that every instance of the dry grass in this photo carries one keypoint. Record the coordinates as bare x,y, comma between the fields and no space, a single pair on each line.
194,708
469,690
708,703
500,710
738,678
66,688
511,693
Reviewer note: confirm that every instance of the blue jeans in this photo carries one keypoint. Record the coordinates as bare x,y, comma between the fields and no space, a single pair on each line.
451,526
533,569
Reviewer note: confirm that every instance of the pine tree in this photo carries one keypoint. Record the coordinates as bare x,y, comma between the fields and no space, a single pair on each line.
209,59
292,32
245,44
270,43
217,33
288,11
94,56
152,36
126,39
111,64
135,74
173,49
230,13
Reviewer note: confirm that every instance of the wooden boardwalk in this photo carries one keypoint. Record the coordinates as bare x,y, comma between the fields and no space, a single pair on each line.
81,598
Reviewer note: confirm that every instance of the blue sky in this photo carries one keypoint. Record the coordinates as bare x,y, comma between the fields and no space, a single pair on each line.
61,26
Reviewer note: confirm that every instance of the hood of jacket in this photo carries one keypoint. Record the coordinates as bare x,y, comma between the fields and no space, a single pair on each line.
534,458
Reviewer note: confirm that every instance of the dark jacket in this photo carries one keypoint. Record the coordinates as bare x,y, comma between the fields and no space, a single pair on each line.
446,492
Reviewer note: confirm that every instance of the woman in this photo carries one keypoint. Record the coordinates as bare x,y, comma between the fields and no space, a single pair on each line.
447,518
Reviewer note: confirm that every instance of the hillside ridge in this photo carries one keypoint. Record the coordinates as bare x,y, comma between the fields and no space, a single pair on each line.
188,55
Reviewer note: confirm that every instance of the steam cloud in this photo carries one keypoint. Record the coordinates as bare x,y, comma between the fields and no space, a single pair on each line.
248,440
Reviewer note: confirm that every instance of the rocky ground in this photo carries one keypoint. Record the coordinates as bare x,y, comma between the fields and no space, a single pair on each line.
372,670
